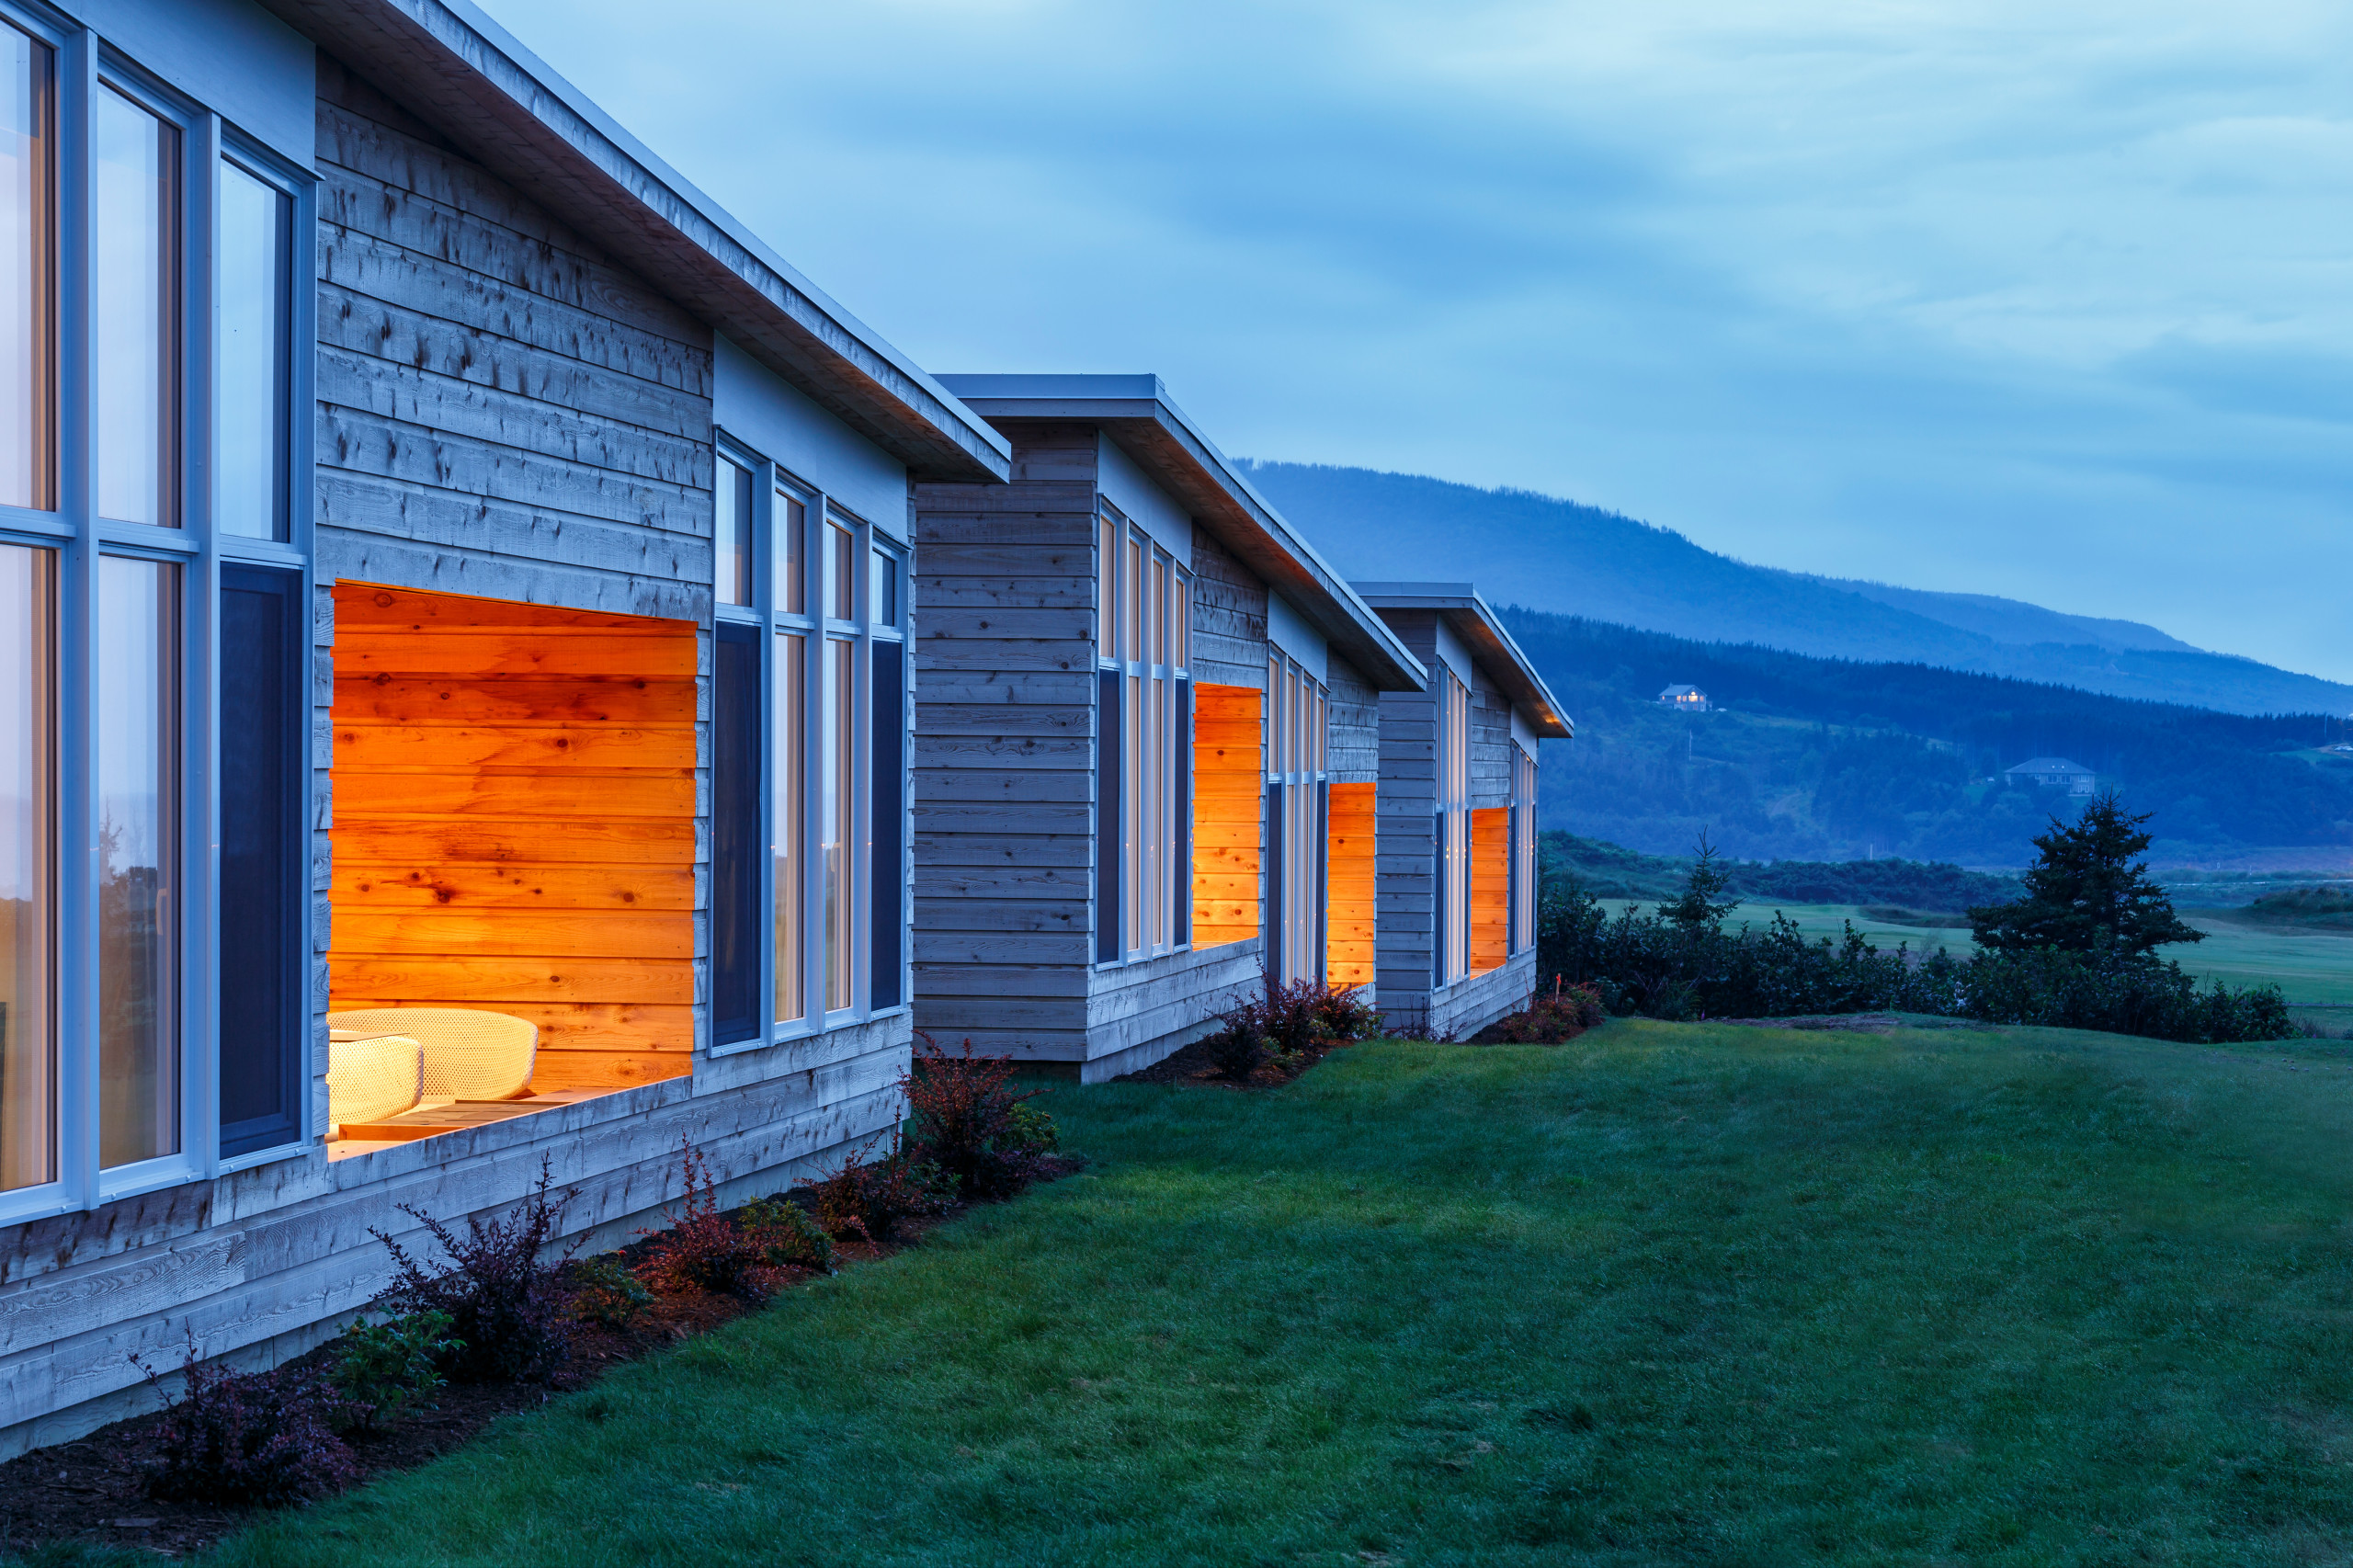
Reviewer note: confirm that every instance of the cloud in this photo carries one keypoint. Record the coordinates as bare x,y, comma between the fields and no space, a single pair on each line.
2051,302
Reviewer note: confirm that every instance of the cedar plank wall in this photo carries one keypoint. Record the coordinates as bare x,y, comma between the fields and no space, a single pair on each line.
1353,763
515,824
1004,751
500,414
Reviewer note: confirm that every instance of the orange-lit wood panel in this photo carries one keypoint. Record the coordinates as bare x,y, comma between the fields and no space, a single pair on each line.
1490,888
1229,796
515,824
1349,919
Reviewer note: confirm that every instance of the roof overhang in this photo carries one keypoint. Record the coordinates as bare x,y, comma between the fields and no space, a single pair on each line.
1135,412
450,65
1472,618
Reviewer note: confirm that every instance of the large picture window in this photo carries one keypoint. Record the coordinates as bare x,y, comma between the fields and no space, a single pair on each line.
809,832
1144,745
1295,818
154,632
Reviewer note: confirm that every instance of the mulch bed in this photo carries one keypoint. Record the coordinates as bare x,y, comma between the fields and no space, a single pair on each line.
93,1489
1194,1068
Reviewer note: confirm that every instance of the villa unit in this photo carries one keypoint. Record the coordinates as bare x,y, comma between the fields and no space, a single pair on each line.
455,596
1457,823
1146,736
2054,773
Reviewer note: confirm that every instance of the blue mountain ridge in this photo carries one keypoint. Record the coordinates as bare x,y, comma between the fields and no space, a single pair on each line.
1553,555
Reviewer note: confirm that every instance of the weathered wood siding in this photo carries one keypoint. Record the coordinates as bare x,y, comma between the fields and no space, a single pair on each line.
1005,751
1352,752
1490,888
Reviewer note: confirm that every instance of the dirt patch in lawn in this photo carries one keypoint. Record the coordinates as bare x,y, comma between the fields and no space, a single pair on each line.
1854,1023
95,1489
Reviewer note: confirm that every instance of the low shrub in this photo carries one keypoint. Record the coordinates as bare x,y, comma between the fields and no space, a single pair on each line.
603,1292
245,1437
788,1235
381,1369
504,1303
1347,1015
1239,1046
1034,1131
969,1123
871,1198
1552,1019
2125,993
702,1249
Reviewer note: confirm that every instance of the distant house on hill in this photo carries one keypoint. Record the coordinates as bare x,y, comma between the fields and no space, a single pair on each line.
1690,698
2052,773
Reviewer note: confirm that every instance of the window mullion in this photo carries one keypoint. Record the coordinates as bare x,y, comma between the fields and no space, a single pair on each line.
199,664
77,797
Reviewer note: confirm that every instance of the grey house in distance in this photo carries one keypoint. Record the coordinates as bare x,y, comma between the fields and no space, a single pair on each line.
1145,740
1457,829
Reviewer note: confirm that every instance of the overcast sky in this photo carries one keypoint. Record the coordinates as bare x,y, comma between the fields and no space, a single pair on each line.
2021,297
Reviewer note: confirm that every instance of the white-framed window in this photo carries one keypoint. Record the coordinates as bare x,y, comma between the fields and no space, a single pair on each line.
154,635
1296,715
1452,948
1144,745
809,759
1523,850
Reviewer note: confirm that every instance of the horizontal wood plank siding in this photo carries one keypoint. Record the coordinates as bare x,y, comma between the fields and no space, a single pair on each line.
1351,919
1004,752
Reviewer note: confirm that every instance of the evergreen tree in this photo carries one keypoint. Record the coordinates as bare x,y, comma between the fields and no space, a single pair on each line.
2087,891
1706,899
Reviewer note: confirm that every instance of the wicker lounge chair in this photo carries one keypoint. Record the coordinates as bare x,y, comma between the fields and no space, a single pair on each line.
469,1054
372,1078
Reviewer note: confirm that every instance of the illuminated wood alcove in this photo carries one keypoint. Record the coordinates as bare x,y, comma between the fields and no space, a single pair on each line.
1490,888
1229,799
514,828
1351,913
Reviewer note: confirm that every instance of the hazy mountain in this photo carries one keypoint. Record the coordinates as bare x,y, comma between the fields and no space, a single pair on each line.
1557,556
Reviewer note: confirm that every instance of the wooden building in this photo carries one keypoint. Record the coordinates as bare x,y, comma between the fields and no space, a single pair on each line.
446,563
1146,736
1457,825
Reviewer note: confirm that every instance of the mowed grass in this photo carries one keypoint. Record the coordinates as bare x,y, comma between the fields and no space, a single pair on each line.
1671,1294
2308,966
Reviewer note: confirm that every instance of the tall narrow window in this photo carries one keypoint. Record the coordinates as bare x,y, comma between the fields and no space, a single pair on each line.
251,305
840,814
263,994
139,920
887,879
27,231
1295,822
134,286
1452,953
731,534
843,602
734,832
792,526
1143,758
792,824
27,871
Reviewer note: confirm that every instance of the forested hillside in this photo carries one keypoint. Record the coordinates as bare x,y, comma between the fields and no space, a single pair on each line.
1557,556
1830,760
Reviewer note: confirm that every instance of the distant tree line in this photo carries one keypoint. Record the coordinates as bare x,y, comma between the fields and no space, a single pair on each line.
2075,949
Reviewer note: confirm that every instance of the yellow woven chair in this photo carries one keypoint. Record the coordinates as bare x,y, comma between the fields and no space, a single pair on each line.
370,1079
469,1054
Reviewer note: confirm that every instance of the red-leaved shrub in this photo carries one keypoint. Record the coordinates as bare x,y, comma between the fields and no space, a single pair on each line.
973,1127
262,1438
870,1197
1547,1020
505,1303
731,1254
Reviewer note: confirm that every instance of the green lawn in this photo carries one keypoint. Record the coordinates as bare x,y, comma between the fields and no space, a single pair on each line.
2316,966
1672,1294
